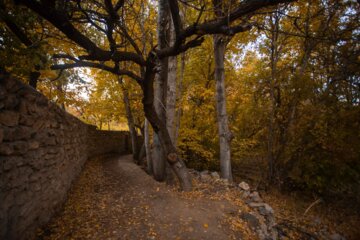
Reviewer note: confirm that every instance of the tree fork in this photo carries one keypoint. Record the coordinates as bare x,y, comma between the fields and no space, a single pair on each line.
176,163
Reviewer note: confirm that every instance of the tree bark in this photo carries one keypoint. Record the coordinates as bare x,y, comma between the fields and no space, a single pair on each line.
225,135
179,110
148,147
274,56
142,154
159,126
171,90
159,162
130,120
179,91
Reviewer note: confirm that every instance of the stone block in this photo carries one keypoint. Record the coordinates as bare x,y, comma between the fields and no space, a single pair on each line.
18,133
27,209
20,147
11,101
27,120
6,149
244,186
10,162
9,118
9,133
1,135
33,144
35,176
53,150
43,102
12,85
24,132
29,94
51,141
22,197
2,92
7,200
22,180
37,187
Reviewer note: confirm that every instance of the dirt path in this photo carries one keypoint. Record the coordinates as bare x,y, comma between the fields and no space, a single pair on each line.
116,199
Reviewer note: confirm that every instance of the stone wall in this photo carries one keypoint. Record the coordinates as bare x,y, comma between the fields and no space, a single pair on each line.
42,150
100,142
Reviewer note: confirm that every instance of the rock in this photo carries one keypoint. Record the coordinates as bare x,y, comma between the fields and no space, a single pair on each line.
25,132
225,181
20,147
34,144
1,135
7,163
9,118
336,236
28,94
22,197
251,220
11,101
215,175
2,93
245,194
6,149
244,186
37,187
264,208
204,176
261,235
27,121
255,197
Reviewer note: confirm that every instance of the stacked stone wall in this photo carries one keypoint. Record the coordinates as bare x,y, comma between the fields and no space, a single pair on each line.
100,142
42,150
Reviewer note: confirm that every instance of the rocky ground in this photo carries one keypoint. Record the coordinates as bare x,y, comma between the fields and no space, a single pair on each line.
115,199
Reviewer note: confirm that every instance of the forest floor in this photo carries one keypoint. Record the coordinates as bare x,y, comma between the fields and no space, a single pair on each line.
115,199
310,215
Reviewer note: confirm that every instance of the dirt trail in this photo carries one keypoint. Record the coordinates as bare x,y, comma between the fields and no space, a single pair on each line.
115,199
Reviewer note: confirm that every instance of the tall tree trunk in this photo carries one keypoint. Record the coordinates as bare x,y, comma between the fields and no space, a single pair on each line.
159,126
179,110
147,147
171,100
180,81
171,90
274,56
159,162
130,120
225,135
142,154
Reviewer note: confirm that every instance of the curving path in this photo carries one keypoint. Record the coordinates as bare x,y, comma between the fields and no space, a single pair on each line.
115,199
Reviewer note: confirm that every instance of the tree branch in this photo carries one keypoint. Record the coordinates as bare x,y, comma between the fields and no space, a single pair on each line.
81,64
59,20
10,23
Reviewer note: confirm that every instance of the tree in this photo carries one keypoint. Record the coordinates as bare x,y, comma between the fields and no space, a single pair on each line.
69,16
24,39
130,120
225,136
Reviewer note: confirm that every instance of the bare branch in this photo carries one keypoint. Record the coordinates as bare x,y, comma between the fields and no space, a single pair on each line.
81,64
